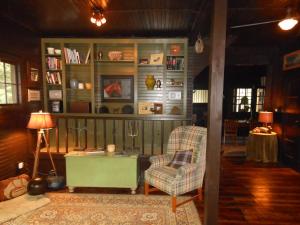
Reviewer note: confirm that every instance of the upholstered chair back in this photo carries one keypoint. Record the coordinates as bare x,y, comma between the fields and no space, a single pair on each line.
189,137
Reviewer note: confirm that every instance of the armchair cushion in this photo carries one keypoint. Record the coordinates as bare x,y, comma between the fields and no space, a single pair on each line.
187,169
181,158
160,160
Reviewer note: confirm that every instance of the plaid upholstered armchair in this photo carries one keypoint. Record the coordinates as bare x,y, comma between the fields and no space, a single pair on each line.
182,169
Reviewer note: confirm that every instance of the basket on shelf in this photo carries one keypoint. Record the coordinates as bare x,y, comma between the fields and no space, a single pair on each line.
115,55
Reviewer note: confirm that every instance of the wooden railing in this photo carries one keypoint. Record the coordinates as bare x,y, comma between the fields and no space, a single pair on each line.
98,131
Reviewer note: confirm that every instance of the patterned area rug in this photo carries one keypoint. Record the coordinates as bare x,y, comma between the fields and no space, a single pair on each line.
104,209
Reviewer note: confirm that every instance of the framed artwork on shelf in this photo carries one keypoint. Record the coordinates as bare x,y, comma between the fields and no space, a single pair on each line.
156,59
55,94
148,108
291,60
175,95
116,88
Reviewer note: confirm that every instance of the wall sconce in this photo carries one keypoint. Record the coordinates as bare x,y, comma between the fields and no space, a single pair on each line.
98,17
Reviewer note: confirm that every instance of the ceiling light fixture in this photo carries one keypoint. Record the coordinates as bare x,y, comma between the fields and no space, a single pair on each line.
288,22
98,17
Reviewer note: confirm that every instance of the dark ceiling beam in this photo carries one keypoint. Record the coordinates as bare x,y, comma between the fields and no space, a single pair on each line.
20,23
152,10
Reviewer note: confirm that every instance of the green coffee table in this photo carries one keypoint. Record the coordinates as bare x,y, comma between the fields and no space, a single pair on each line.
101,170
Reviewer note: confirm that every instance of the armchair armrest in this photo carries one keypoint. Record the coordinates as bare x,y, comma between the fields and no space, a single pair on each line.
160,160
187,169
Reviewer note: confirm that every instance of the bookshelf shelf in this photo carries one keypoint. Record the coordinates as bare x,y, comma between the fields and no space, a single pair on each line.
114,61
175,70
150,65
53,55
77,64
87,62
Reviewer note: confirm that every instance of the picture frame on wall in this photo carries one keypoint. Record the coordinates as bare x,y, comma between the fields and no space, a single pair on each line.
291,60
117,88
33,95
33,75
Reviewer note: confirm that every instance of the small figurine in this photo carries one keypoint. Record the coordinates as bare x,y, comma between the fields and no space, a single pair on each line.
158,84
100,55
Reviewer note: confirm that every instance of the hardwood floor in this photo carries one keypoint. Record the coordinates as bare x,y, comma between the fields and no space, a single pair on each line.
257,193
250,194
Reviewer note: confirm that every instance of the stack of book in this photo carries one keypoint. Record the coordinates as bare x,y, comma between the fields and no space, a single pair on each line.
53,63
53,77
175,63
72,56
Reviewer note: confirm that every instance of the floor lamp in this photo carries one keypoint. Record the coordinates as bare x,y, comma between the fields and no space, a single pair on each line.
42,122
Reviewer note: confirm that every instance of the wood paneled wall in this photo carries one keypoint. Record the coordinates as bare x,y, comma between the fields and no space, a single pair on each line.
22,47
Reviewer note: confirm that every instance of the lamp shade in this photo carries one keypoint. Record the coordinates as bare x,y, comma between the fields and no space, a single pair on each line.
40,120
265,117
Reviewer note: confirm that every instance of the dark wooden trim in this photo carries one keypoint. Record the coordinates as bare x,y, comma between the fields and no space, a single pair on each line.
104,133
215,99
95,133
143,137
123,133
162,129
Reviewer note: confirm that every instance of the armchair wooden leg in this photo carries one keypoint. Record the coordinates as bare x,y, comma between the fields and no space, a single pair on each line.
174,204
146,188
200,193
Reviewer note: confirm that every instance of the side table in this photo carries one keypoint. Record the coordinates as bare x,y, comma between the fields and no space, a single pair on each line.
262,147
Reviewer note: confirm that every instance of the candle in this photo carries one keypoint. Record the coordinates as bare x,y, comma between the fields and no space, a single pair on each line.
111,148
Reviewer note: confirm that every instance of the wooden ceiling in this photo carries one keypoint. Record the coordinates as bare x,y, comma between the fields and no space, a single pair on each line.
144,18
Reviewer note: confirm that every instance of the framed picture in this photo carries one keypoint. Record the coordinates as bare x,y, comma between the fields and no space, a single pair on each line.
175,95
34,74
55,94
34,95
147,108
34,80
115,88
156,59
291,60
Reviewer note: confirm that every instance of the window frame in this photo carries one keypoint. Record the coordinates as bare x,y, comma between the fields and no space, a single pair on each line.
253,103
7,60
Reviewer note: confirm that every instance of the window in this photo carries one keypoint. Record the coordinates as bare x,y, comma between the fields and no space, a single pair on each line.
8,83
260,96
200,96
242,99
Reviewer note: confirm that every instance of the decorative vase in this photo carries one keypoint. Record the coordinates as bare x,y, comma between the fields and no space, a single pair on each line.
37,186
73,83
150,82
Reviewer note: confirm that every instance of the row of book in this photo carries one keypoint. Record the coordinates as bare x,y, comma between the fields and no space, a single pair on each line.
53,77
175,63
72,56
53,63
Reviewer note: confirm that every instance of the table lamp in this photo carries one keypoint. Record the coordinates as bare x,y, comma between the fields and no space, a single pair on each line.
265,117
42,122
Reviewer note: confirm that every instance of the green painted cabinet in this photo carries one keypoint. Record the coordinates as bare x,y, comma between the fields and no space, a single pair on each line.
84,170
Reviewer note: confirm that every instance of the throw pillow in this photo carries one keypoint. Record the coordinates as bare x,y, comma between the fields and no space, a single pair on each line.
181,158
13,187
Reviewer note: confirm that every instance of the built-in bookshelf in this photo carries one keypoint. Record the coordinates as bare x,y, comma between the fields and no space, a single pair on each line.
78,73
